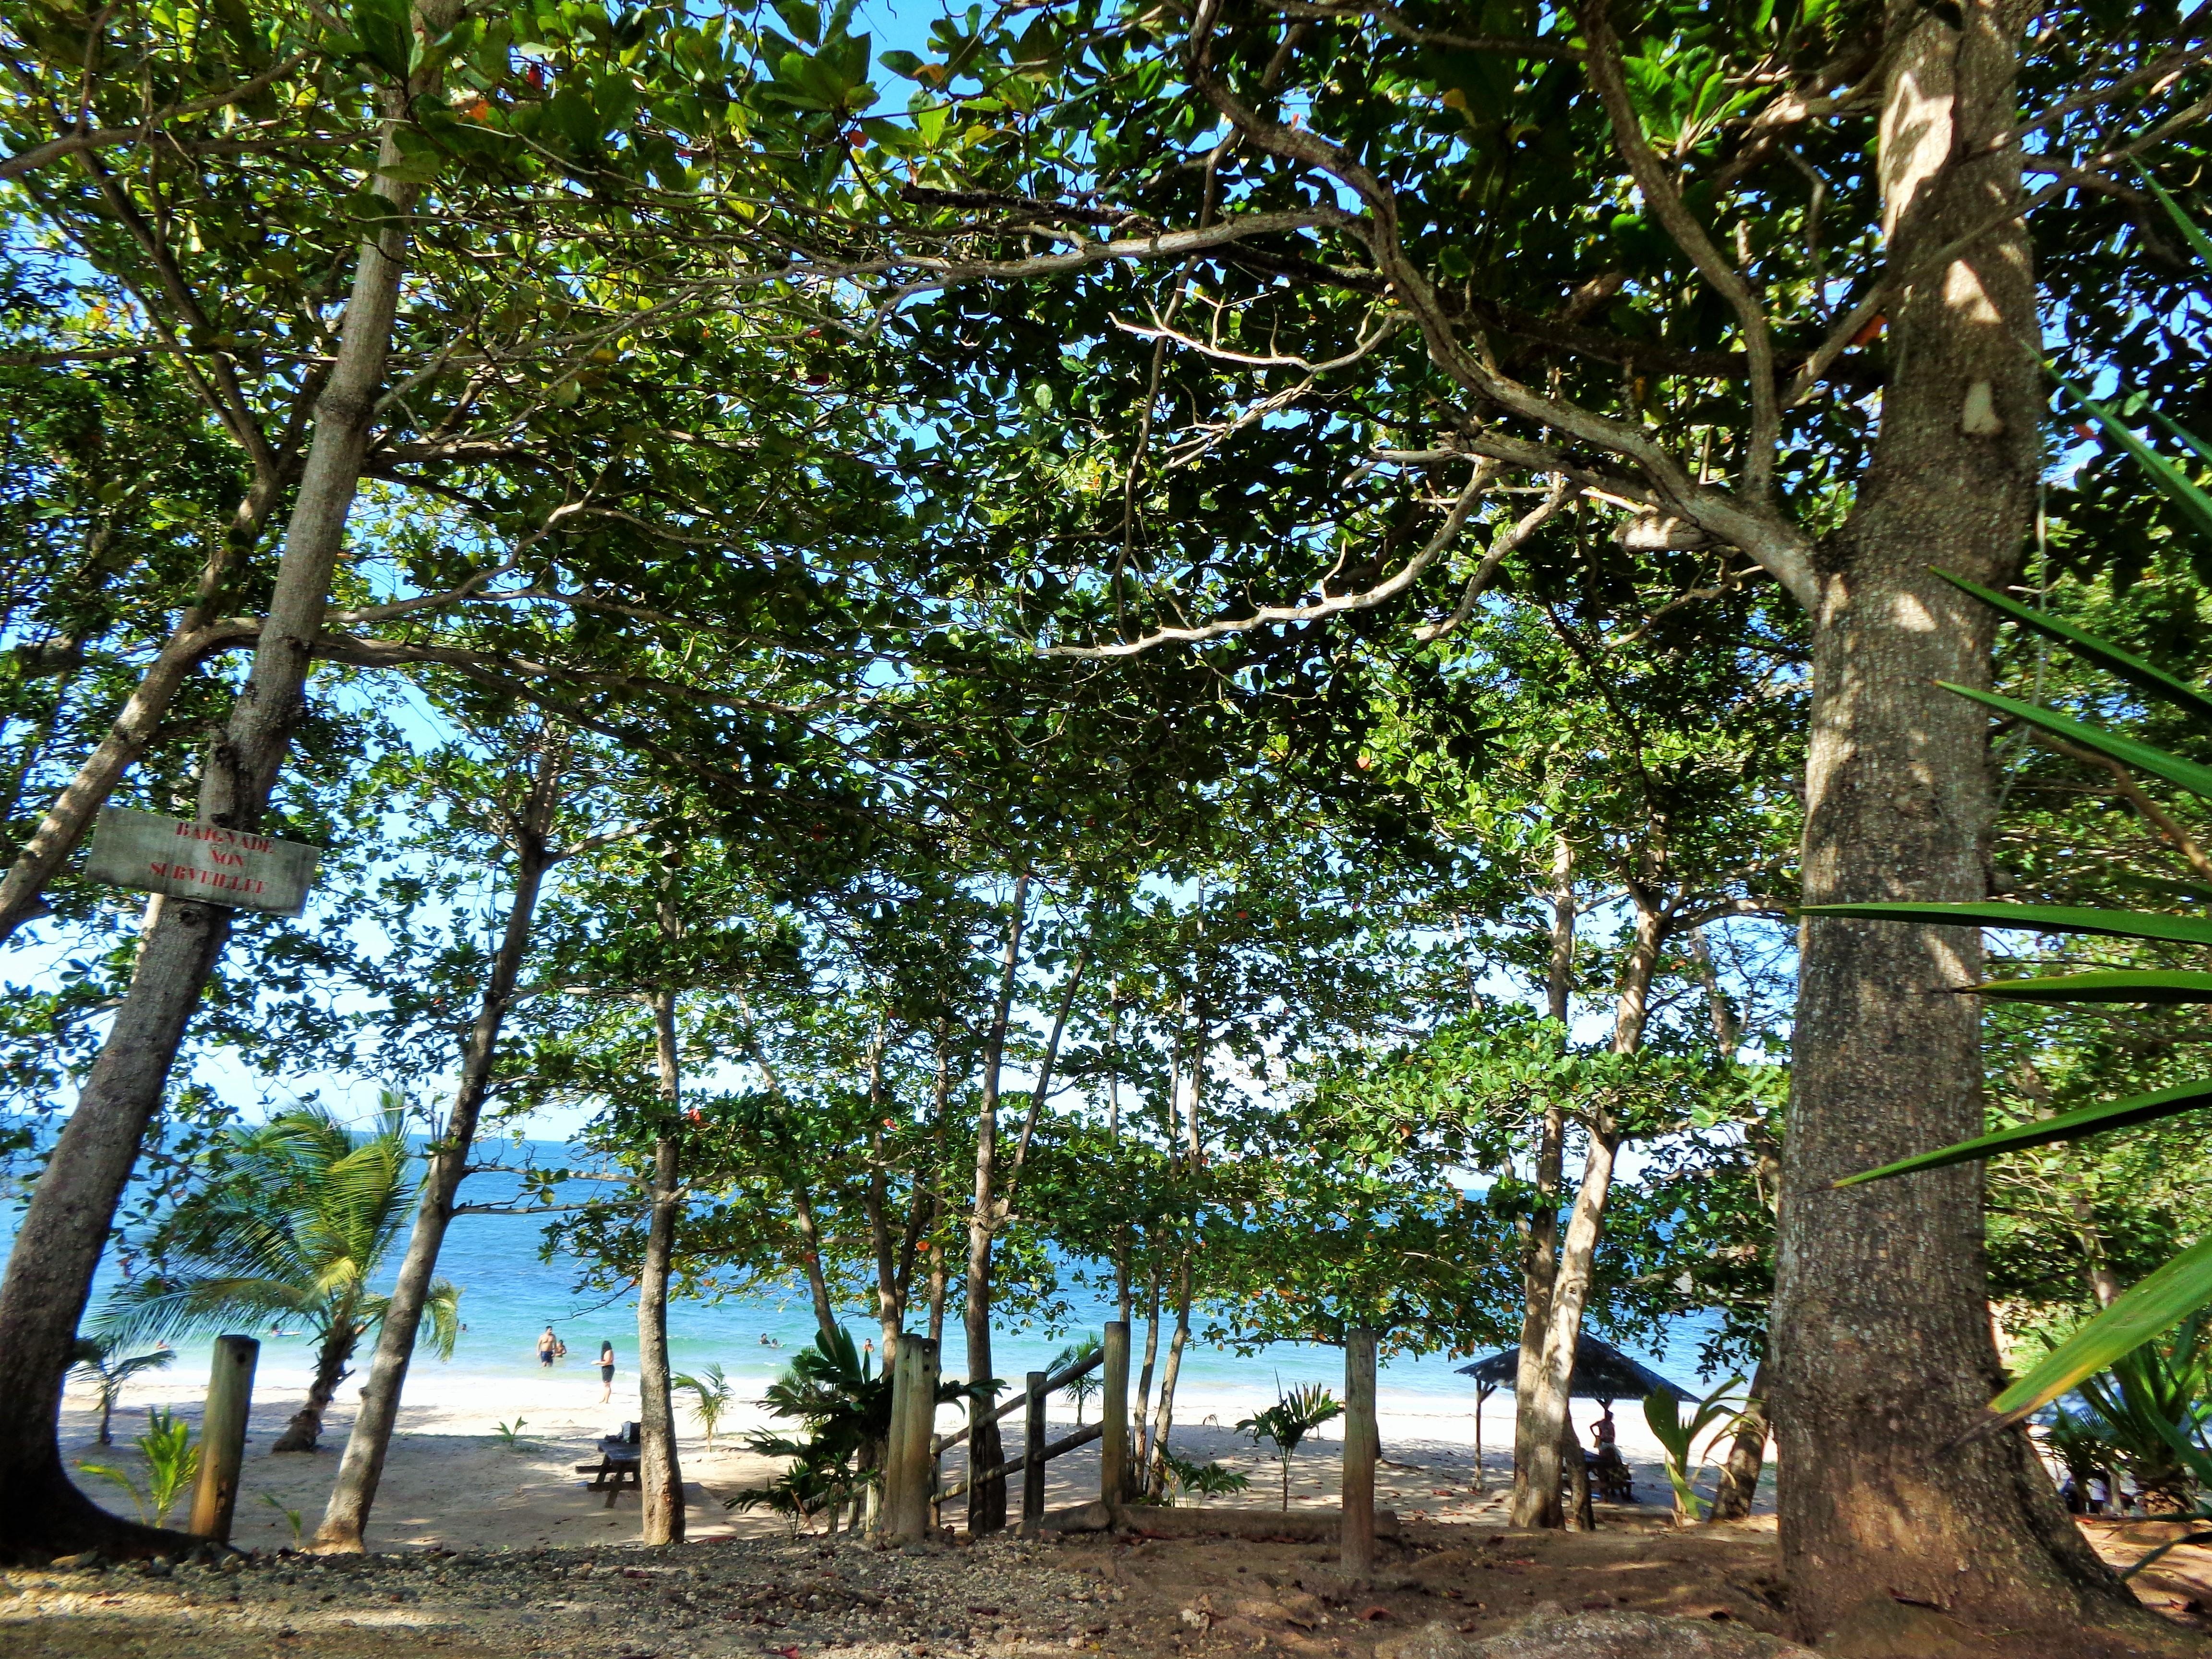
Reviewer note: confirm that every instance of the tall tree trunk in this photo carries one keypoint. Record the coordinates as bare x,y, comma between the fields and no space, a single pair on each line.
1544,1413
1880,1346
64,1230
802,1198
1739,1482
890,1288
305,1427
931,1191
986,1499
1164,1413
1144,1377
939,1276
361,1470
1536,1495
660,1476
810,1259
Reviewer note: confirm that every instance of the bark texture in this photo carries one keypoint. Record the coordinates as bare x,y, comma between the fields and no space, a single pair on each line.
1880,1345
660,1477
1163,1412
986,1499
306,1428
1541,1417
1536,1460
345,1517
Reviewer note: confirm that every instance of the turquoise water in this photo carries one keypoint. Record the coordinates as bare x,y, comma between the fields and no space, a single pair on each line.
510,1295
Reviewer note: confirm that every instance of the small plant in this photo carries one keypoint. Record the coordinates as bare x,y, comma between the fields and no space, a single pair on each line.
800,1493
510,1434
1664,1413
1085,1387
96,1356
1204,1480
172,1463
1286,1423
712,1391
291,1516
844,1406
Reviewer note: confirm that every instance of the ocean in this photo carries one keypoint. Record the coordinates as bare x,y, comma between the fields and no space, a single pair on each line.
509,1294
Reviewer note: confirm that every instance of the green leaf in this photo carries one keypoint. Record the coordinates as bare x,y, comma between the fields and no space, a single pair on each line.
386,34
2188,226
802,19
2143,676
2164,1299
369,209
413,169
2031,919
2195,506
901,62
2196,779
2116,985
2045,1131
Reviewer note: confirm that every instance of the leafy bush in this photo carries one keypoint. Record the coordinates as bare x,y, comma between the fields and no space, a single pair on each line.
832,1391
1206,1479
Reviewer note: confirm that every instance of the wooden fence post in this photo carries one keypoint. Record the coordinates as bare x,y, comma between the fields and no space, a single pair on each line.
1362,1446
1033,1459
913,1422
897,1466
222,1436
1114,1408
935,1480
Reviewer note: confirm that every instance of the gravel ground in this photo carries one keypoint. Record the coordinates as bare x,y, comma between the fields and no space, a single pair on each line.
703,1600
1142,1597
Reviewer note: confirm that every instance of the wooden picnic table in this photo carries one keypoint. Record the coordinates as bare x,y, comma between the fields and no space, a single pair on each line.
617,1466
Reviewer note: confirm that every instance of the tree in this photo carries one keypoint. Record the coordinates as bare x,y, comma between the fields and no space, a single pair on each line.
50,1269
294,1222
1542,252
521,814
111,1370
1285,1425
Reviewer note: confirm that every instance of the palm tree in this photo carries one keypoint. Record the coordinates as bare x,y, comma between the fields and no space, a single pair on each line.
98,1357
1086,1385
296,1219
714,1392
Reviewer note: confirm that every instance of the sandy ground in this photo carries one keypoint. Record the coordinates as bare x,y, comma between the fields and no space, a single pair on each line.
1132,1597
452,1481
497,1552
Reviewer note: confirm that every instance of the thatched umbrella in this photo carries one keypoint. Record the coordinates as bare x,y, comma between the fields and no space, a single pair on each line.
1601,1372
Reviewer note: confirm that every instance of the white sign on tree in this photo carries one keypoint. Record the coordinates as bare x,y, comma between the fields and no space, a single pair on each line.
184,859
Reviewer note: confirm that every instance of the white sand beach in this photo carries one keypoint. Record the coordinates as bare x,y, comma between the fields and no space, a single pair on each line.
453,1482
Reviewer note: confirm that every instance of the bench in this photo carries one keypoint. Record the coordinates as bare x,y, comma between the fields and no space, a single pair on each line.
617,1466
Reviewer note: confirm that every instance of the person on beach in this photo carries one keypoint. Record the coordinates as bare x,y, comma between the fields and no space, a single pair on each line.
547,1344
606,1372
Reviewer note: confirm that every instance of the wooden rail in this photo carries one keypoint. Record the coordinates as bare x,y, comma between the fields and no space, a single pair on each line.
912,1501
1052,1384
1066,1444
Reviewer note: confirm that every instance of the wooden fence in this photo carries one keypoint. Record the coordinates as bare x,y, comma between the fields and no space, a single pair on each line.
915,1456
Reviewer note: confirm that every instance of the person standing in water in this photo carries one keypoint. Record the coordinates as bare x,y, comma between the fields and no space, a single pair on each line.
547,1344
606,1372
